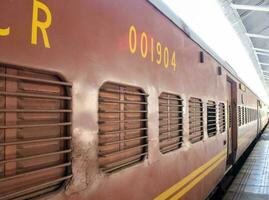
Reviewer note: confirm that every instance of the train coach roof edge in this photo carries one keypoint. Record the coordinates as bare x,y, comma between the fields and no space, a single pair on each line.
166,11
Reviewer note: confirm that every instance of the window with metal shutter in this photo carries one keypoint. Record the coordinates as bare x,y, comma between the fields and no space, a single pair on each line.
222,123
123,139
34,132
248,111
170,122
211,118
249,115
196,125
243,115
239,116
246,116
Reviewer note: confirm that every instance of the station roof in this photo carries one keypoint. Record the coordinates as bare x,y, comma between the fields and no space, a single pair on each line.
250,19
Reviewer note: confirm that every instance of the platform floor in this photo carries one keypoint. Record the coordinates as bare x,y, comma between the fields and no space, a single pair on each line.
252,181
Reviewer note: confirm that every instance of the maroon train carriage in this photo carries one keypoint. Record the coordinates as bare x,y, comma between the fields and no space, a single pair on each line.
115,100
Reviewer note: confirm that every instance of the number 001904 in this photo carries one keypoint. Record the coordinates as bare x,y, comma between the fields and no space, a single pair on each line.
151,49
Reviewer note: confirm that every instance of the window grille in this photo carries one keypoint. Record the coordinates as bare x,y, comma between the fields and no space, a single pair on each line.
35,136
123,139
170,122
196,126
243,115
246,116
230,116
222,123
211,118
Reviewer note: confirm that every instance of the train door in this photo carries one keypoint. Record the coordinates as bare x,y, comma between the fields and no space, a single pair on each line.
232,121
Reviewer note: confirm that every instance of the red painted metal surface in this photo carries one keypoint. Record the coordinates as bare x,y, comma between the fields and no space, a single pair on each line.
89,45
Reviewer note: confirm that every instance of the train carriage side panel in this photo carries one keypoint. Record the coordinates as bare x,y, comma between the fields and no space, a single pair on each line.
132,45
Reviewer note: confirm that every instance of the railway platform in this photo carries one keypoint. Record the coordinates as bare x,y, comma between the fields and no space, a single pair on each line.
252,181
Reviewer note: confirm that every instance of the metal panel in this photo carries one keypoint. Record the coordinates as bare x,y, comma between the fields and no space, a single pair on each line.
196,124
33,160
211,119
170,122
122,126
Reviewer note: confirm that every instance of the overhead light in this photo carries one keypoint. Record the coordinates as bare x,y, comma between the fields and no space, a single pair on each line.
262,63
260,53
260,49
250,7
257,36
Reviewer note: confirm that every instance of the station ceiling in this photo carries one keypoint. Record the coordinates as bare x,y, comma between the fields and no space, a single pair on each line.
250,18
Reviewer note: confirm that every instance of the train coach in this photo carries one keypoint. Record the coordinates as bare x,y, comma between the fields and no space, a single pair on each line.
105,100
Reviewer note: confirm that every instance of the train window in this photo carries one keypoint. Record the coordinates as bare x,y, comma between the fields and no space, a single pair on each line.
170,122
248,119
196,126
211,119
239,116
122,122
246,116
243,115
222,123
249,115
35,135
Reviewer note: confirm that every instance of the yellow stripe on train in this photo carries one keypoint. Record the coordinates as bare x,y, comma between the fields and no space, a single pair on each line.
211,164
